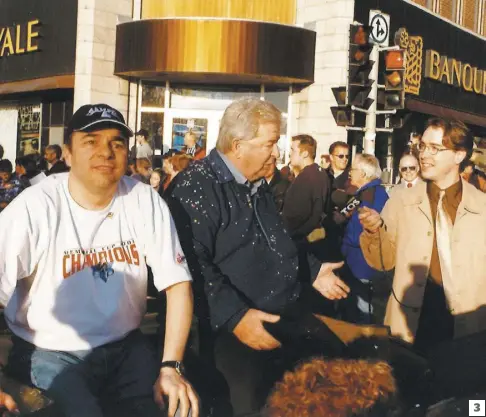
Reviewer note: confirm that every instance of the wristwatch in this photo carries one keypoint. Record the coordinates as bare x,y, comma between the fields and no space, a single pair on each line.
177,365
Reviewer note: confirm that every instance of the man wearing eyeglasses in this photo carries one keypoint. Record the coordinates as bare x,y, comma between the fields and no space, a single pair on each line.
409,171
434,235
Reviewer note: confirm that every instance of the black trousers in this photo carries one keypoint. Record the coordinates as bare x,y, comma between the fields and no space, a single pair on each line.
244,377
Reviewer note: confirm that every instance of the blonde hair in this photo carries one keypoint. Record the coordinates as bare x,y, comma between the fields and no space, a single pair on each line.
368,164
242,119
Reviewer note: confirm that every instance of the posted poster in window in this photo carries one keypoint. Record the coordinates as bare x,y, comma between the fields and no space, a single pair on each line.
188,132
29,129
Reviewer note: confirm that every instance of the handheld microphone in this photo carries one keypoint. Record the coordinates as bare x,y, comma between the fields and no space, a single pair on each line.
345,203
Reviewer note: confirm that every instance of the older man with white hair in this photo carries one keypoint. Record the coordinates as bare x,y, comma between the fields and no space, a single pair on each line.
365,175
244,263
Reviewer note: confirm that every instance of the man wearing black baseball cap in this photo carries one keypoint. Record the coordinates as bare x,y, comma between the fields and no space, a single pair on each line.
144,150
75,296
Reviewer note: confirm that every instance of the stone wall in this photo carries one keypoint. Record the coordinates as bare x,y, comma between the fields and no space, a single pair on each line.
95,53
311,107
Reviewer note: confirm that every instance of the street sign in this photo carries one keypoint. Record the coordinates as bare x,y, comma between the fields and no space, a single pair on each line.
380,28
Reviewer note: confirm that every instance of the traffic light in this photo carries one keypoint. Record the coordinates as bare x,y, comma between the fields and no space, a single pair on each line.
360,65
342,113
395,65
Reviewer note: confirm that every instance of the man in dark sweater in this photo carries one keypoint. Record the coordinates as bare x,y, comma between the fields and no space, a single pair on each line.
278,185
339,169
52,156
244,264
308,200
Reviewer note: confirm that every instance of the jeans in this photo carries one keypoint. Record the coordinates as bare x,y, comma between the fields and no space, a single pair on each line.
115,379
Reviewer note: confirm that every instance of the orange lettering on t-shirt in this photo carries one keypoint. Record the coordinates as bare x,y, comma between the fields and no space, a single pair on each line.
119,255
76,263
65,271
127,255
134,252
90,260
110,255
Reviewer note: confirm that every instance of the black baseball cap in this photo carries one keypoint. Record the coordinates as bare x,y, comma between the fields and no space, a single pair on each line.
142,132
92,117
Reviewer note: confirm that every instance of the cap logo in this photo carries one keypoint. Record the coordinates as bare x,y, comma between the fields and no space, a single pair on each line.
105,112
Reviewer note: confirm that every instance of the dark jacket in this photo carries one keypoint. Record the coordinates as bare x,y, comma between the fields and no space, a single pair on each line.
351,247
341,182
279,186
307,202
239,253
57,168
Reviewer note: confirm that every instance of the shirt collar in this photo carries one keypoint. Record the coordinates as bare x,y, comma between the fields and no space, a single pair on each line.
237,175
233,173
452,193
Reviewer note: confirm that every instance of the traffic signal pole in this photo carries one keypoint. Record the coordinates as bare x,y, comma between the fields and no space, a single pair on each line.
370,126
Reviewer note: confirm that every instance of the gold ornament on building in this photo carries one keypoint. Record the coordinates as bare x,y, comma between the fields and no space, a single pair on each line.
414,46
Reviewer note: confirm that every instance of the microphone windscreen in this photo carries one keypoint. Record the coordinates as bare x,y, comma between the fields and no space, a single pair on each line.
340,198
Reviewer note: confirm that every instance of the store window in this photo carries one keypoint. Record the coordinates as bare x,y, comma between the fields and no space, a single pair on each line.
447,9
483,17
176,117
29,130
421,2
470,12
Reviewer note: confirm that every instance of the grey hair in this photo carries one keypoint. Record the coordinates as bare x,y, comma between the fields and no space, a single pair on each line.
368,164
242,119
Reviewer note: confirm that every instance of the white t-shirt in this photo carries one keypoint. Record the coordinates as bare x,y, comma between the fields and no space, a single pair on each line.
74,279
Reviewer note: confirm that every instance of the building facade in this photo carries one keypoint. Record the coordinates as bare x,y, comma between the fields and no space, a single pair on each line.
172,66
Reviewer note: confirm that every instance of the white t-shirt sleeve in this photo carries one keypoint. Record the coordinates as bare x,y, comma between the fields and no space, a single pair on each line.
162,248
19,246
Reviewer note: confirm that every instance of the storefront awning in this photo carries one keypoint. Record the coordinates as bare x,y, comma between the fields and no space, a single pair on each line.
215,51
38,84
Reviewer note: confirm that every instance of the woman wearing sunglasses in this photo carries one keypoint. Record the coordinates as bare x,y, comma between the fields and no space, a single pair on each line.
409,171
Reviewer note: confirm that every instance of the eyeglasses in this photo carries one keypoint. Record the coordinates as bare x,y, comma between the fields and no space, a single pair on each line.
413,169
431,149
342,156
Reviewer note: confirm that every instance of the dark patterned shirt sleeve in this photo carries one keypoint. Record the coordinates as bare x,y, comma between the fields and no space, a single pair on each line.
195,213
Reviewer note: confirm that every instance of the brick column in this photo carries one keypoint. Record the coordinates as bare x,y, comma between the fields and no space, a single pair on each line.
95,53
312,114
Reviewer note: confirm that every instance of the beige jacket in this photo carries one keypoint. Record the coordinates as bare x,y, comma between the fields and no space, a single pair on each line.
406,244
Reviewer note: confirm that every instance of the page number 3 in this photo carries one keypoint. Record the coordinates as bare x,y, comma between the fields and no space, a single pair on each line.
477,408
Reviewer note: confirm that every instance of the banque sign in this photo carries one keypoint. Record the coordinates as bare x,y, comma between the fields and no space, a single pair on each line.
19,39
453,72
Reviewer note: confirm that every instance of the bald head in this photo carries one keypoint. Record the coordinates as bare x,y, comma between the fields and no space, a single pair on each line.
409,167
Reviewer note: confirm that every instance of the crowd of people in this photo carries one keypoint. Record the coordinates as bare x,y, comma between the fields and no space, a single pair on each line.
249,258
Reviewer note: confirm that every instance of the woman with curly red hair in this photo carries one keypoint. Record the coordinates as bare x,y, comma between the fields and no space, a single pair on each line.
335,388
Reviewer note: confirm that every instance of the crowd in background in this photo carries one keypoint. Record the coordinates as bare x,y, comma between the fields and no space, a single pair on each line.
319,201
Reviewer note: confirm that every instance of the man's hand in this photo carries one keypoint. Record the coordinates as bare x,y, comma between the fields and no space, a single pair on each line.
328,284
370,219
180,393
251,332
6,401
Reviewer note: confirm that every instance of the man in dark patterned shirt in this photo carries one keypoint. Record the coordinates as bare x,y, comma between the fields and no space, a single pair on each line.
10,187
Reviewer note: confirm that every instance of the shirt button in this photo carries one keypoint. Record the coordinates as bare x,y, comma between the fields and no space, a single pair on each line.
429,233
425,258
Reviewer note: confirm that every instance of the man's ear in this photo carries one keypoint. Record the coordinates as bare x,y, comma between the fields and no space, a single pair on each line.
67,155
460,156
237,148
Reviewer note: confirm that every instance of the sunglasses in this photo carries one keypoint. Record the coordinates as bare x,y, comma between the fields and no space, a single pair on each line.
342,156
403,169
